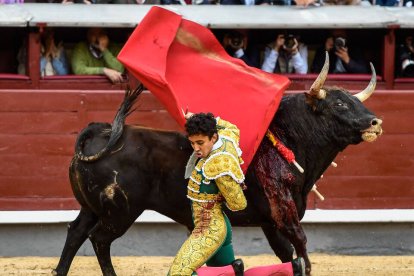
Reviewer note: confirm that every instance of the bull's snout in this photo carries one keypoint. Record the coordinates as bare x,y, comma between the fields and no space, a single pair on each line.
371,134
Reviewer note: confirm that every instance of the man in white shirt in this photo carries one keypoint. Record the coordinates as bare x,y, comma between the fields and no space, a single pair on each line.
286,55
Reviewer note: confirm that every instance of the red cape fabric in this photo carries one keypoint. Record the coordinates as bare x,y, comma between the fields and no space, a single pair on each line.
183,65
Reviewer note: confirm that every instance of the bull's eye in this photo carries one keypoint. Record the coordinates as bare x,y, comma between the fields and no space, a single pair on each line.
341,105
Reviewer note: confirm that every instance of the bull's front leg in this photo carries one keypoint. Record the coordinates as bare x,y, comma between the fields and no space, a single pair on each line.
286,220
278,242
293,231
284,214
276,179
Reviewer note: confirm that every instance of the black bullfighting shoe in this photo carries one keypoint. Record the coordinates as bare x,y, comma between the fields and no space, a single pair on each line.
238,267
298,266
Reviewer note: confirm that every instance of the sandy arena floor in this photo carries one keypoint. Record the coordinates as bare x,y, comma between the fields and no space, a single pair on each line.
323,265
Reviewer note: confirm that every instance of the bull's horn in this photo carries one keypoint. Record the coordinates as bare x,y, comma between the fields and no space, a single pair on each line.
315,89
363,95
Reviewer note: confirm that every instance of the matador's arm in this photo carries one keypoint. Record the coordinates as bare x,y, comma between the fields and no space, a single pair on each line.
228,129
232,193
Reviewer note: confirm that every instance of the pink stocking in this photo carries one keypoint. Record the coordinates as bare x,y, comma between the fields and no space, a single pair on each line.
284,269
215,271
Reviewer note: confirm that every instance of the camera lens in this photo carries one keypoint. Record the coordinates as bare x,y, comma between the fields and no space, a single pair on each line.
339,42
236,41
408,68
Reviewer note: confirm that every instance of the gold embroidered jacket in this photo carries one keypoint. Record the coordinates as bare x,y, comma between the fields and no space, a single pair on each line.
218,176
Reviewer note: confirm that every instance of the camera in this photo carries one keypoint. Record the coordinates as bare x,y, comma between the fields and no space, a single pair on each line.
406,58
95,50
236,41
407,68
339,43
289,41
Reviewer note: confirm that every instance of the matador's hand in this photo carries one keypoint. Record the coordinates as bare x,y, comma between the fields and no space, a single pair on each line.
187,114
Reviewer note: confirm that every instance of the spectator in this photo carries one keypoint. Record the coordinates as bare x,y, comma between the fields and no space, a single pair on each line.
344,2
286,55
11,2
22,59
53,59
386,3
405,3
187,2
342,57
78,2
405,55
97,56
235,44
244,2
303,3
136,2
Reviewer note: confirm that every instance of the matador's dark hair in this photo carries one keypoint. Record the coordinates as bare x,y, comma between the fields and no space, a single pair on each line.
201,123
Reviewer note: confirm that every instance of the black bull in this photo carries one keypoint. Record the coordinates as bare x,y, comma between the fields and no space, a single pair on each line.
118,173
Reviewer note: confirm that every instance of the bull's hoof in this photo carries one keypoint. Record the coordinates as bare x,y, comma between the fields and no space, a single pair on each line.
54,272
298,266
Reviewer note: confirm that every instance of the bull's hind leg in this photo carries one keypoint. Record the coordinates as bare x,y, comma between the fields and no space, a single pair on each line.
77,234
102,236
101,239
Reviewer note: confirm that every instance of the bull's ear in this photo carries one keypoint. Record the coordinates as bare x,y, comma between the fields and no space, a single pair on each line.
311,101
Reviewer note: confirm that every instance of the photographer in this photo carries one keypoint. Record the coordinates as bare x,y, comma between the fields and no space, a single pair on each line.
406,58
342,60
286,55
97,56
235,44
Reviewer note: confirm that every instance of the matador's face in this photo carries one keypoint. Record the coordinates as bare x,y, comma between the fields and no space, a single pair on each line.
202,144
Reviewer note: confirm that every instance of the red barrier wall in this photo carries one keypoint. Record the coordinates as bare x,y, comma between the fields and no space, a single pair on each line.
38,129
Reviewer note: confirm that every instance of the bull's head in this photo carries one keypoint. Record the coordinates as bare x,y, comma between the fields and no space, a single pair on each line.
345,113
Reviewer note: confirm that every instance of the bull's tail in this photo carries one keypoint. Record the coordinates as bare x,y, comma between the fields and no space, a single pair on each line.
116,130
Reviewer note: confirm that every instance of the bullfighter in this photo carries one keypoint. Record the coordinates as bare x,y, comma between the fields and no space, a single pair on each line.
215,177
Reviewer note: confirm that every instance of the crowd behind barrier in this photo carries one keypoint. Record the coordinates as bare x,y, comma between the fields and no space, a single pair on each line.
277,51
387,3
284,51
